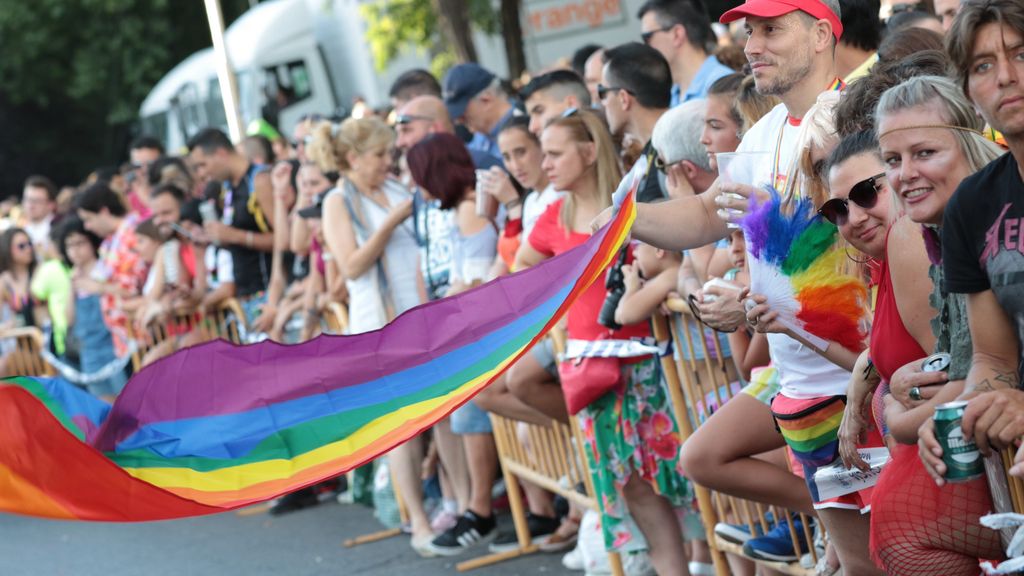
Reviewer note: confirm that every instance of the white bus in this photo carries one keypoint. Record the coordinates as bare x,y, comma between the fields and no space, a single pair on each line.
294,57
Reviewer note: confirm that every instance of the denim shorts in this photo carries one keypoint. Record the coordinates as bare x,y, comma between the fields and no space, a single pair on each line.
544,354
470,419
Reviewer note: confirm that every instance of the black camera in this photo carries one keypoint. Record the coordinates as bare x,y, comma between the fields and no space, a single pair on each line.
615,284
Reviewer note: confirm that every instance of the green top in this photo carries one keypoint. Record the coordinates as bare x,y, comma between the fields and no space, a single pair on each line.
52,283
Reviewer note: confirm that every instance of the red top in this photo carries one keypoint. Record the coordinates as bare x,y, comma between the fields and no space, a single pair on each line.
549,238
892,346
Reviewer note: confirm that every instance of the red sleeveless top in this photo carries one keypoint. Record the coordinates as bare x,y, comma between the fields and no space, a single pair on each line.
892,346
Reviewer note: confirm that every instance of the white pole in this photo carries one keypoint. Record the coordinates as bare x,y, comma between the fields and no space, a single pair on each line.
225,75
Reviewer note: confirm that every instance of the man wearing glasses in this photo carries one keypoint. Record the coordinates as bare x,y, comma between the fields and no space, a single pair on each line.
634,92
681,31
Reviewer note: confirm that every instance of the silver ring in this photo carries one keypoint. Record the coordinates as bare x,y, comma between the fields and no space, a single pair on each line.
915,393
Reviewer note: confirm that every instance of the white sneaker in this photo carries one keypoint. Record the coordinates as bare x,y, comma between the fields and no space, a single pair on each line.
573,560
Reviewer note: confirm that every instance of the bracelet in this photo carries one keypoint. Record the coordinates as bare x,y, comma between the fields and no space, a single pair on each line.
248,239
513,203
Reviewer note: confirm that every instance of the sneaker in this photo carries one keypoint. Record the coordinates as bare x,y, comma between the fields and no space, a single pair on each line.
541,528
740,533
777,544
304,498
469,530
421,546
573,560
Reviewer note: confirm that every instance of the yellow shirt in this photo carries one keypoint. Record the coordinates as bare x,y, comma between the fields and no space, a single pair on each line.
861,70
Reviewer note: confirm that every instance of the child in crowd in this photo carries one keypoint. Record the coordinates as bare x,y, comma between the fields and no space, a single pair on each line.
80,249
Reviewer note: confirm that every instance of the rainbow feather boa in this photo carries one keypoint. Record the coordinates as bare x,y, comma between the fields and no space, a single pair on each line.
794,262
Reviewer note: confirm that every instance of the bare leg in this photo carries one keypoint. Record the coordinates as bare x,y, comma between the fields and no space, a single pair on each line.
848,530
499,399
482,457
657,520
453,461
719,456
536,387
405,462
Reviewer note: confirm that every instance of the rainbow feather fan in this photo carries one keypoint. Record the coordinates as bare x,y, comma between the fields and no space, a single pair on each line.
794,262
218,426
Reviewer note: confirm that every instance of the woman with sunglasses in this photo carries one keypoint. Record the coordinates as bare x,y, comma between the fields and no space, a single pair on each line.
631,435
930,141
17,307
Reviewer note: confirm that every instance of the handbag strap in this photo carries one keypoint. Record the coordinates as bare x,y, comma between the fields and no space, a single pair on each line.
354,204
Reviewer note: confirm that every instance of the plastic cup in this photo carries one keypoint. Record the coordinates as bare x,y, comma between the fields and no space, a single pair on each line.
486,205
748,168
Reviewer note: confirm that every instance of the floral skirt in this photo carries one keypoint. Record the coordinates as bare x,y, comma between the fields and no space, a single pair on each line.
632,429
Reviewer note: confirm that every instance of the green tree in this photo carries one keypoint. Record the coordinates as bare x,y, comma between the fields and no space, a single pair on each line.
440,29
74,73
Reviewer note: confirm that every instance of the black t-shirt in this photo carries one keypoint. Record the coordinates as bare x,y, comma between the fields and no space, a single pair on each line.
983,238
651,190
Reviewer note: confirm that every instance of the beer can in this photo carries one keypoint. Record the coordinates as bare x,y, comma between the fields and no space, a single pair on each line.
936,363
959,453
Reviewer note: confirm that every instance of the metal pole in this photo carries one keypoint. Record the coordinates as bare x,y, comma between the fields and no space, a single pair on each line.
225,75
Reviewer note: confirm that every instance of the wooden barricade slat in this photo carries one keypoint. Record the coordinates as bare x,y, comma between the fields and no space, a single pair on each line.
695,384
555,451
26,358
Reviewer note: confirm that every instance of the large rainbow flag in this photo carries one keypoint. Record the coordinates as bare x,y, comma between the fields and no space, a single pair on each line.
219,426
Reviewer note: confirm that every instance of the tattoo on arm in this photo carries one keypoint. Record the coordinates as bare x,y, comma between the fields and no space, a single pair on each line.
1000,381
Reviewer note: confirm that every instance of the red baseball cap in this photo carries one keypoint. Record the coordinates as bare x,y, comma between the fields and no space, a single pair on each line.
776,8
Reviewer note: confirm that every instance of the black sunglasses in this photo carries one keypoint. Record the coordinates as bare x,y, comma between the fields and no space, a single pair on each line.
602,90
863,194
646,36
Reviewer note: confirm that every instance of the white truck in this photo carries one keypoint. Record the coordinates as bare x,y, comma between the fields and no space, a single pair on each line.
295,57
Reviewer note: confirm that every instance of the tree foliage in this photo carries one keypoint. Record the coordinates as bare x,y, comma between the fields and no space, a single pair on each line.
394,26
74,73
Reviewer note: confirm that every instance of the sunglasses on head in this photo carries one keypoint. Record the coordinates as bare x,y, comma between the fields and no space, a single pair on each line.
863,194
402,119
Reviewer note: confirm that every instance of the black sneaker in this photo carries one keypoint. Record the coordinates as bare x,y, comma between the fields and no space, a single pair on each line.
304,498
541,527
470,529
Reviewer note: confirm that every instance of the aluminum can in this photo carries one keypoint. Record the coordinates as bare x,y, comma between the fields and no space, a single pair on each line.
936,363
959,453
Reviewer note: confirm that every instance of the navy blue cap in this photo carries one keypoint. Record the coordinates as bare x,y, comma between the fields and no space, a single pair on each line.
461,84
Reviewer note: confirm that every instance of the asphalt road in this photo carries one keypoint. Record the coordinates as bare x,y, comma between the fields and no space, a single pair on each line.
308,542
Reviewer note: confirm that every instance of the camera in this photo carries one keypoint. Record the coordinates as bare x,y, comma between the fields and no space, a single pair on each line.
615,284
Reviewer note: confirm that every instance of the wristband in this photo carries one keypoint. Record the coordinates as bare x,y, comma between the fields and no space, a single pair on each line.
248,239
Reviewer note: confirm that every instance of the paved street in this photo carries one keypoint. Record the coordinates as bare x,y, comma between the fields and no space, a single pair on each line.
299,544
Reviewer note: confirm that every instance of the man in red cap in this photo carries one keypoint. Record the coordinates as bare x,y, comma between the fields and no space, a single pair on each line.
790,48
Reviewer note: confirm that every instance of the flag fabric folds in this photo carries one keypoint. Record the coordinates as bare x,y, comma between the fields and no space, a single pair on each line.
220,426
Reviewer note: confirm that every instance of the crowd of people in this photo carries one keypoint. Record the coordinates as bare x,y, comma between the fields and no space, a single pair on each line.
906,135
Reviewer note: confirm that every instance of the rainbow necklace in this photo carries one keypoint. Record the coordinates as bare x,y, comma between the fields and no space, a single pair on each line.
836,85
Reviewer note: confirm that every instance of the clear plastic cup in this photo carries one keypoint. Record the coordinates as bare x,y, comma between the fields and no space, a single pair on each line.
750,168
486,205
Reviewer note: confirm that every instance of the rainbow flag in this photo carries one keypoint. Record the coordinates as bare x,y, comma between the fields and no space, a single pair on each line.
219,426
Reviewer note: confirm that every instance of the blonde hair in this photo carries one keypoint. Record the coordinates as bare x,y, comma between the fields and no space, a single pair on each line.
817,130
957,114
332,143
751,104
586,126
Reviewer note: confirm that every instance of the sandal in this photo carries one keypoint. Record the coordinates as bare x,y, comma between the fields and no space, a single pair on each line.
564,538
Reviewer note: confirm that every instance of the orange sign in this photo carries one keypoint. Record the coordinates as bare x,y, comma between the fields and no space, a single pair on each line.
568,15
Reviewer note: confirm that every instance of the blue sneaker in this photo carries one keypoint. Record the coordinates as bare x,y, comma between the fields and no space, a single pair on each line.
777,544
740,533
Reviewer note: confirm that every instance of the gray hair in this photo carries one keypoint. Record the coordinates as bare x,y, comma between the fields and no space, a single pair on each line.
677,135
957,114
